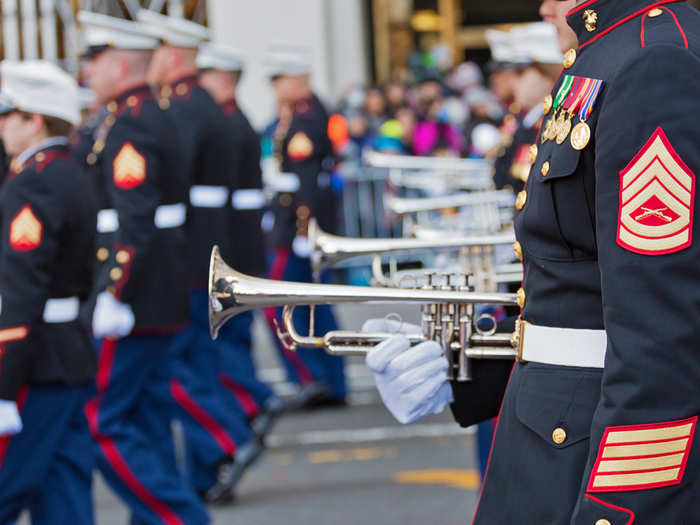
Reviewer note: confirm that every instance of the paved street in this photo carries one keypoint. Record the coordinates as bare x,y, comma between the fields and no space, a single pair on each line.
349,466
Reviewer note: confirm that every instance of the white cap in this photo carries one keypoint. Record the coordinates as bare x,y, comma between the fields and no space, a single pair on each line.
219,56
287,60
101,31
172,30
500,44
536,43
39,86
86,97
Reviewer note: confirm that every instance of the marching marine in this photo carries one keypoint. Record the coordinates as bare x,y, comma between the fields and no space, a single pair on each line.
141,287
47,363
303,152
603,402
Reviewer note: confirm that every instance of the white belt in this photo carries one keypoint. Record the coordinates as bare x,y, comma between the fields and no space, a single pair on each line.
208,196
166,216
251,199
170,215
562,346
107,221
61,310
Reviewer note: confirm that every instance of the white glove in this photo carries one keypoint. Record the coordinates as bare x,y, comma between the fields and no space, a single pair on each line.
412,380
111,318
10,422
302,247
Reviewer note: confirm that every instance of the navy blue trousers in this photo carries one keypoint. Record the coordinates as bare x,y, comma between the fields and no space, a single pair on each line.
215,424
306,364
47,468
131,421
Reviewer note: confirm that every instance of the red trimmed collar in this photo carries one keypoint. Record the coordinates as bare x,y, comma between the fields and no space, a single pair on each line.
230,106
611,15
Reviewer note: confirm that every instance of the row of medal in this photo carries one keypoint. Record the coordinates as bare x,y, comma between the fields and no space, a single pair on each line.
576,97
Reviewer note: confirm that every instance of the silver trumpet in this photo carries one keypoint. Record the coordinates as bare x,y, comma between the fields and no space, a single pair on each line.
448,314
328,249
401,206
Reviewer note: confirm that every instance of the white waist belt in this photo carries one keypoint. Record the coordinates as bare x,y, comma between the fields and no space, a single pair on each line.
170,215
208,196
61,310
166,216
251,199
562,346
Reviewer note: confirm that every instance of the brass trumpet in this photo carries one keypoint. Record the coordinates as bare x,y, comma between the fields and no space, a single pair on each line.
448,314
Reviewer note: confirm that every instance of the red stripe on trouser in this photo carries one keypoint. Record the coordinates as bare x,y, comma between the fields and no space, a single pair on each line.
277,272
250,407
201,416
5,440
109,448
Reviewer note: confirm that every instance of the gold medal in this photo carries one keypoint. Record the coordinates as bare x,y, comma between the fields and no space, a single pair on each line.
580,136
564,129
547,104
547,130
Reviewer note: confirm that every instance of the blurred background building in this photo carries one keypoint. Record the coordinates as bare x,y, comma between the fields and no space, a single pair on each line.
354,42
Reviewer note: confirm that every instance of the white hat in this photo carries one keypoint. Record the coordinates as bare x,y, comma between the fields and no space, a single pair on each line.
500,44
536,43
218,56
287,60
174,31
102,31
39,86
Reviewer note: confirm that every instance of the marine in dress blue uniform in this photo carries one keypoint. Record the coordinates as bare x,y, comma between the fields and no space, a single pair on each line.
598,422
304,153
141,285
221,68
47,364
221,443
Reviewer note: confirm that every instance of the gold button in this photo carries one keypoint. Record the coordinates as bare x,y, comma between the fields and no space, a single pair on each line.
132,101
602,522
521,297
163,103
181,89
285,200
166,91
40,157
559,435
518,250
91,159
653,14
102,254
545,168
112,107
110,120
98,146
115,274
569,58
533,153
547,104
521,200
123,257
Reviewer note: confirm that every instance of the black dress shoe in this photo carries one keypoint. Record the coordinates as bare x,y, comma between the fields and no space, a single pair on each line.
230,472
262,423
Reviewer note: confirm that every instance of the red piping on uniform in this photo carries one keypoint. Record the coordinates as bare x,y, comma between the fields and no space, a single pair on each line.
109,447
641,33
623,21
495,431
277,272
201,416
250,407
615,507
685,38
5,440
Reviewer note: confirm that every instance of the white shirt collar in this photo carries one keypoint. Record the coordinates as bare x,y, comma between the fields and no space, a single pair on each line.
44,144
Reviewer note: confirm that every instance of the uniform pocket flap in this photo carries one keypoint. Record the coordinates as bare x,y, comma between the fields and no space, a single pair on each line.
558,406
561,162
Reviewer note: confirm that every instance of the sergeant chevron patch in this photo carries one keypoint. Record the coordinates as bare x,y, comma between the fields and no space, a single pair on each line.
643,456
657,193
25,230
129,167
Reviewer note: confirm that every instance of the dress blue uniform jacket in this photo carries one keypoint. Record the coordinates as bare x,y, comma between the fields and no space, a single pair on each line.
607,240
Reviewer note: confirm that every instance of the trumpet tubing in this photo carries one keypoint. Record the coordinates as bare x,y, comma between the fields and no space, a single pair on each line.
449,318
